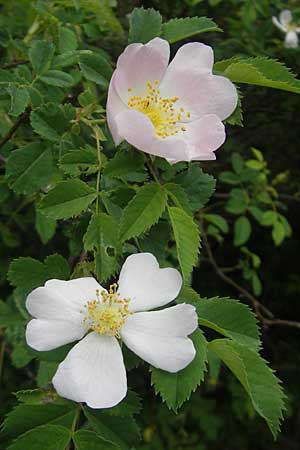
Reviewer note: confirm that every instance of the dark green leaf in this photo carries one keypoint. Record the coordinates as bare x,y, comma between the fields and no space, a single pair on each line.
57,78
177,29
67,40
48,437
88,440
145,24
40,55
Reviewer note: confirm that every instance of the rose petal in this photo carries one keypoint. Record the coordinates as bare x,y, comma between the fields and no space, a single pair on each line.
147,285
160,337
285,17
93,372
113,107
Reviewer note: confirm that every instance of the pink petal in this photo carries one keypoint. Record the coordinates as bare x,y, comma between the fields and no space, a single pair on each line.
200,94
140,64
113,107
137,129
192,57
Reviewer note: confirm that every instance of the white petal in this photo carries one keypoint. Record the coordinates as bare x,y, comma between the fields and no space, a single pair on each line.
278,24
113,107
137,129
285,17
139,64
147,285
291,40
160,337
78,291
44,335
192,57
93,372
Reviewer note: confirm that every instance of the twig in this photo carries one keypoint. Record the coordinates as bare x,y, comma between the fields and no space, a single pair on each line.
13,64
261,310
14,128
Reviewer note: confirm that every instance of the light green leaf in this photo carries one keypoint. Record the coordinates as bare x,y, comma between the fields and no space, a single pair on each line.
96,68
57,78
227,317
121,431
45,226
218,221
269,217
261,71
257,378
20,99
178,196
144,25
278,233
242,231
67,199
40,55
50,437
187,238
177,29
29,168
143,211
67,40
176,388
88,440
52,121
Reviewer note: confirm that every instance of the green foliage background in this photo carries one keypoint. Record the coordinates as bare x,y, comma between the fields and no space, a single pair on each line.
250,224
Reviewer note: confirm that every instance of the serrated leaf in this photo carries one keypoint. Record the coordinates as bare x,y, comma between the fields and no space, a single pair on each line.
176,388
57,78
88,440
198,185
40,55
144,25
20,99
227,317
76,161
242,231
257,378
67,199
8,317
50,437
260,71
45,226
124,165
96,68
29,168
52,121
57,266
67,40
187,238
121,431
26,272
143,211
127,407
177,29
178,196
46,372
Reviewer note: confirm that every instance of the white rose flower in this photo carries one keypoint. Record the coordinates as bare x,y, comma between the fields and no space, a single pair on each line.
93,371
286,25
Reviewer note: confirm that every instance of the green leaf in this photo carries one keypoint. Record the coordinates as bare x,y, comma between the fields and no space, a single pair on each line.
198,185
129,406
102,237
57,78
26,272
237,162
238,201
124,164
257,378
29,168
52,121
178,196
67,199
46,372
218,221
177,29
121,431
261,71
8,317
67,40
143,211
25,417
242,231
40,55
88,440
227,317
176,388
45,226
269,217
96,68
76,161
57,267
20,99
187,238
144,25
50,437
278,233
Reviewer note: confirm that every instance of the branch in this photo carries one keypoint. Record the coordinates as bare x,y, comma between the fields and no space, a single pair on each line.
12,64
261,310
14,128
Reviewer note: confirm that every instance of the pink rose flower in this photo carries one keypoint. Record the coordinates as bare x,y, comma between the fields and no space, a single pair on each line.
170,110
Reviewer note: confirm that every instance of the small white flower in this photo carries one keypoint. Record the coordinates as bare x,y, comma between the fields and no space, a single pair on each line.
94,371
287,26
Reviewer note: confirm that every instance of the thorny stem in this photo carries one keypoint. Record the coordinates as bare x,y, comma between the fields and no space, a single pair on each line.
261,310
13,64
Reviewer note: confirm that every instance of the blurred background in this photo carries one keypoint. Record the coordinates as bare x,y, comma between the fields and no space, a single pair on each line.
265,260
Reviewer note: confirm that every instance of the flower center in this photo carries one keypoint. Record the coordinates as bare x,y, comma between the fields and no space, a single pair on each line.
107,315
165,118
